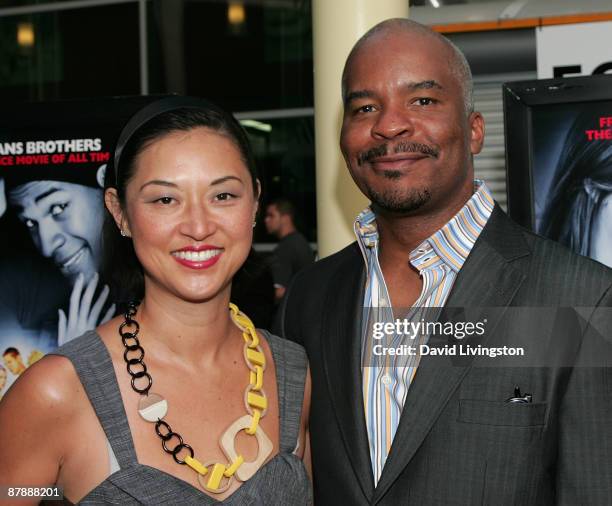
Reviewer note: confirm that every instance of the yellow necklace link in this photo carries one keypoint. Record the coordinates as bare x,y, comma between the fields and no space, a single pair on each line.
256,403
153,408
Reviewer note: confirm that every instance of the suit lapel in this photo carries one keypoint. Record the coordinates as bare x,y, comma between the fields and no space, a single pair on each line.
485,280
342,364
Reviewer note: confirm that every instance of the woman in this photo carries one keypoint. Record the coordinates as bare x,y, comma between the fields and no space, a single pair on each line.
578,213
206,414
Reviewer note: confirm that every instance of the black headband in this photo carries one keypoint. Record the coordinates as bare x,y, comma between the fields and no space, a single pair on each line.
151,111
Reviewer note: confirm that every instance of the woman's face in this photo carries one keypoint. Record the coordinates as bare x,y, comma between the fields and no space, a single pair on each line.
189,210
601,233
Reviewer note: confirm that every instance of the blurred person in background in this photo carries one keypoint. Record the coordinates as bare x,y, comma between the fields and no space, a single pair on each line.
12,360
3,376
293,252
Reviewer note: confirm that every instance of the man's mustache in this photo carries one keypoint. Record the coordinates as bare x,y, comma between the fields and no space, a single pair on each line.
402,147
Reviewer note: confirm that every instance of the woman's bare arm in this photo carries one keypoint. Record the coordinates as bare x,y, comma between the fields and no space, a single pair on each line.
36,416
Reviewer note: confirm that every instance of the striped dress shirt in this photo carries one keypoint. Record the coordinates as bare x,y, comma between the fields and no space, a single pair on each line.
438,259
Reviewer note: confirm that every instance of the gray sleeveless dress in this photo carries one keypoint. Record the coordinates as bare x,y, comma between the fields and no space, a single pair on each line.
281,481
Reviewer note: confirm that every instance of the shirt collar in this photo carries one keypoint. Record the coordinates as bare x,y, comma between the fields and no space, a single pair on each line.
452,243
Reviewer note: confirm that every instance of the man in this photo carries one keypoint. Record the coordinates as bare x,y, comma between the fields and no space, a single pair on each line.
12,360
65,222
427,431
64,219
293,252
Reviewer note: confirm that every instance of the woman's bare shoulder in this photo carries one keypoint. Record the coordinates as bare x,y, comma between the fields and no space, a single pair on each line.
50,384
39,416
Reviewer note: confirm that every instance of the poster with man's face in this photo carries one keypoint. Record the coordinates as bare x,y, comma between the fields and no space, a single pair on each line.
53,160
53,192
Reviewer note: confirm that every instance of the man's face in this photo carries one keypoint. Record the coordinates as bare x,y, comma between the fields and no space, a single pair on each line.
272,220
14,364
406,137
65,222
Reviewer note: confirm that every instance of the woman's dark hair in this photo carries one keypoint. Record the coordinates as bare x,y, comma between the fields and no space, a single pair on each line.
121,268
582,180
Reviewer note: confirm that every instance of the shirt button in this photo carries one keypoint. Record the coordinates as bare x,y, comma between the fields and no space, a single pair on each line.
386,379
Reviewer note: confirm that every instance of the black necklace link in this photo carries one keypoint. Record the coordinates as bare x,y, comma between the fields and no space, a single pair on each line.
128,331
136,367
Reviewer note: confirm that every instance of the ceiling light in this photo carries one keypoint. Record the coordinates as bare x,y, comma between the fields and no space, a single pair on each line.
25,34
236,13
257,125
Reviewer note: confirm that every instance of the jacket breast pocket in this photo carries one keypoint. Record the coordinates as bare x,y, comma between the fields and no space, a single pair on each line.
502,414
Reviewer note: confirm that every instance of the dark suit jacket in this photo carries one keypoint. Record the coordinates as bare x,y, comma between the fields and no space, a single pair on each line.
458,442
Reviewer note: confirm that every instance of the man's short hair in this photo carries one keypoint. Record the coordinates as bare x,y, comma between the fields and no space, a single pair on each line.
284,206
11,351
459,65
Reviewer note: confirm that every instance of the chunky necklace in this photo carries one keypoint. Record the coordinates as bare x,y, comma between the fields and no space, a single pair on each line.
212,476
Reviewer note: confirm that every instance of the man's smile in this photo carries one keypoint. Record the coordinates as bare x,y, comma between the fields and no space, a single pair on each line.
67,261
399,162
403,151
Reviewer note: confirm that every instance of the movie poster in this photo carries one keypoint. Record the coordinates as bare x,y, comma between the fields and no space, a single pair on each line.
53,160
572,176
